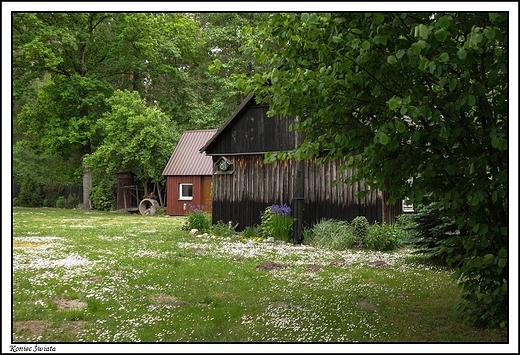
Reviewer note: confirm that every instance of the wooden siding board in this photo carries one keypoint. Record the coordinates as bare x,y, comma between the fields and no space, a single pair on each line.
174,206
242,196
253,132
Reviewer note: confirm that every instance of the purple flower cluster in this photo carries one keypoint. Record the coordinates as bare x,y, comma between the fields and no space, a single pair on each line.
196,208
281,209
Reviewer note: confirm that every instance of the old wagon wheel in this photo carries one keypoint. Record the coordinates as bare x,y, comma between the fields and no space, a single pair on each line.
148,207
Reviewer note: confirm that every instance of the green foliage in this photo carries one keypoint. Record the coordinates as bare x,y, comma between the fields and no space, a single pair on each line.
102,195
255,231
360,228
405,224
43,168
197,218
276,222
382,237
399,96
340,235
139,139
221,229
69,202
66,66
431,231
30,194
51,193
482,272
331,234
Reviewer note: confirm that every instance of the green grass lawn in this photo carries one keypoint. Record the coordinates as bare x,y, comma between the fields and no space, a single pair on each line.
105,277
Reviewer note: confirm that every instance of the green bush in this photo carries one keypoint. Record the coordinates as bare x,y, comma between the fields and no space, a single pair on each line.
404,225
277,222
331,234
198,219
430,232
252,232
222,229
68,202
51,194
360,225
382,237
30,194
102,196
481,262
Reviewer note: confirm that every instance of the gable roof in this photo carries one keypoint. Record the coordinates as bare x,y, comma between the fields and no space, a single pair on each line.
228,122
186,159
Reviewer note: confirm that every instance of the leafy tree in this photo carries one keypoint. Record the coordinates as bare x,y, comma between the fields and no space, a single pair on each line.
138,139
214,92
67,64
407,95
63,49
156,54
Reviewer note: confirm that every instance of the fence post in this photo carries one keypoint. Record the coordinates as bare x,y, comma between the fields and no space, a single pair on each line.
297,210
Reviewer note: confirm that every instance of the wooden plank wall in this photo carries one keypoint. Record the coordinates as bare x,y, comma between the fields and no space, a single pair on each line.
174,206
254,132
242,196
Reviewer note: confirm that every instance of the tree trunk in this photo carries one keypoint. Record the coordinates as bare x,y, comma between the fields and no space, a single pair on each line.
87,186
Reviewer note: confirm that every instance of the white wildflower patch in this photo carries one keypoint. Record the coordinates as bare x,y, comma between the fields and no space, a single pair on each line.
42,239
323,300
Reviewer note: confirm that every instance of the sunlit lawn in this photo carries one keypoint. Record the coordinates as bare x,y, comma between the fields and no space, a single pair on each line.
105,277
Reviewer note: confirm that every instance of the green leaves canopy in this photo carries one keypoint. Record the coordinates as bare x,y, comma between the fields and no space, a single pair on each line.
399,96
138,139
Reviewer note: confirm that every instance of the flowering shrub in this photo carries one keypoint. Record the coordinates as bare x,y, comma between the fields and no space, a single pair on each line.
277,222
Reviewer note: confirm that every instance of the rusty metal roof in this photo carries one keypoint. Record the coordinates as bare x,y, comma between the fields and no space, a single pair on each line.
187,159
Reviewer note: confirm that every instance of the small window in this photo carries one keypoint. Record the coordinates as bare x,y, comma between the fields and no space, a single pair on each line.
185,191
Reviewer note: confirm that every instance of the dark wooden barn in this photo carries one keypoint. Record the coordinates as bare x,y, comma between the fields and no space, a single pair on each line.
189,175
243,186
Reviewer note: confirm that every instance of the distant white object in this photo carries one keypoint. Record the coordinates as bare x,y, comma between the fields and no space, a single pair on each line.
231,226
194,232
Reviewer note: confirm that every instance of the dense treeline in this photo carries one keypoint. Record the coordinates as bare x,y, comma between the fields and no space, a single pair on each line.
99,93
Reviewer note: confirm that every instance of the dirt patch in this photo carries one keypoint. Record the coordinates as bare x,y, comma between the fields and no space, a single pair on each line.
237,258
64,303
337,262
163,299
199,251
27,245
29,329
314,268
366,304
378,263
24,331
270,265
